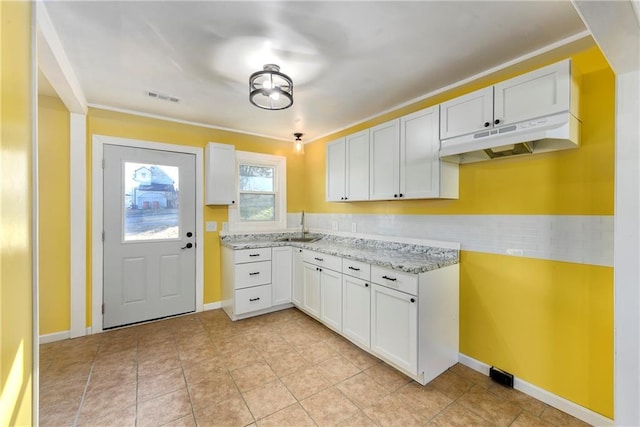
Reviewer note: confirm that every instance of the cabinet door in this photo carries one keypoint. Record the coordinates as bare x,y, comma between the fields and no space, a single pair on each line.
220,163
335,171
356,310
281,274
467,114
394,327
331,298
311,293
384,181
297,279
357,166
532,95
419,160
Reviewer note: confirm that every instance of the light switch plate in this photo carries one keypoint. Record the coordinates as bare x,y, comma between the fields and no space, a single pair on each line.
212,225
354,227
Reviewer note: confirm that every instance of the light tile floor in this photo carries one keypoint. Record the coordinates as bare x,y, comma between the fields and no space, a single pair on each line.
280,369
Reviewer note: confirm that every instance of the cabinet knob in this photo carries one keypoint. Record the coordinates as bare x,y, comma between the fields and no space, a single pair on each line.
395,195
496,121
413,300
401,195
366,285
233,201
487,124
341,198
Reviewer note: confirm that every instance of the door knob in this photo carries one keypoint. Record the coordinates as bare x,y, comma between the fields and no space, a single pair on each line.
187,246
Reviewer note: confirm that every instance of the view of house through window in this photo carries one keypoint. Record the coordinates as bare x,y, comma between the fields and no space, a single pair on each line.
151,199
256,185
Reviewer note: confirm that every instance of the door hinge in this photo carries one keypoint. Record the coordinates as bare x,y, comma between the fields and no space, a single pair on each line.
102,308
102,163
103,236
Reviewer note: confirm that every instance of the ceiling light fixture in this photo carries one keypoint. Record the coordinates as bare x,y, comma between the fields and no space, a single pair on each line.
298,146
270,89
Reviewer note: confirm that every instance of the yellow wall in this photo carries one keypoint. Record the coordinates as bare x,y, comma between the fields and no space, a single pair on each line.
54,226
15,215
549,323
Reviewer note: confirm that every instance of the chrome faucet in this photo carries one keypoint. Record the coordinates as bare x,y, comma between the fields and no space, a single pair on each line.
302,225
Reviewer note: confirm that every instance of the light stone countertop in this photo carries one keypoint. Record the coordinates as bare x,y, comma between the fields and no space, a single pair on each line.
409,258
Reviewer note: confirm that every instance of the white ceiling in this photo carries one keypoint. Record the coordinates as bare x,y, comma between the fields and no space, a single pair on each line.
348,60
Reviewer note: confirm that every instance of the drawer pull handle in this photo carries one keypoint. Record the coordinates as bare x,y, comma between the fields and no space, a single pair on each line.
254,254
254,273
319,259
393,279
354,268
254,299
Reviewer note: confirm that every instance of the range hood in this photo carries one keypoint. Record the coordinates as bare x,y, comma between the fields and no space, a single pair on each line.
551,133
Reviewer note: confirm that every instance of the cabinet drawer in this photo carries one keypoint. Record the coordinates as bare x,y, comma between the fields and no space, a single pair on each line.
405,282
252,255
252,299
253,274
358,269
323,260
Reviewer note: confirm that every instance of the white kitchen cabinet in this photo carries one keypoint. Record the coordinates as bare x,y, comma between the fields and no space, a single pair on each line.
297,291
248,286
536,94
348,168
311,292
394,326
220,163
356,310
331,298
384,175
422,174
281,274
404,159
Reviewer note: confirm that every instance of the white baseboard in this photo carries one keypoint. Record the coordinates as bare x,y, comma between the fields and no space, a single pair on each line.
549,398
59,336
213,305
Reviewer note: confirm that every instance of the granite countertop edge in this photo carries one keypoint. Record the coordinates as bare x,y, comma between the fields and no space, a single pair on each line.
409,258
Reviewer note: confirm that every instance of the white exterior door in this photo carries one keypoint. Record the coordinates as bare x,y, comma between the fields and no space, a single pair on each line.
149,234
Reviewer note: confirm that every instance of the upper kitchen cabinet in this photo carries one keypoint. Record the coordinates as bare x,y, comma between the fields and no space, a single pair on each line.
540,93
347,174
405,162
220,161
384,176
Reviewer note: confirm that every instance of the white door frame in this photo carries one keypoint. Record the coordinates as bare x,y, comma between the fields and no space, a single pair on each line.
98,142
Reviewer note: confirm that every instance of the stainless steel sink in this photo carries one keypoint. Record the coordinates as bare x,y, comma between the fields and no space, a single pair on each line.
298,239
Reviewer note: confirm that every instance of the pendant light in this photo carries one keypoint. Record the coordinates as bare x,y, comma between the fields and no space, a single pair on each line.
270,89
298,146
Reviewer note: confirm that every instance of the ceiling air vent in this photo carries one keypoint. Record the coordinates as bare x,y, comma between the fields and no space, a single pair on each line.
162,96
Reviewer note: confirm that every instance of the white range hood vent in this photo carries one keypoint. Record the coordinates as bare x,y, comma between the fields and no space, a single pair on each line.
557,132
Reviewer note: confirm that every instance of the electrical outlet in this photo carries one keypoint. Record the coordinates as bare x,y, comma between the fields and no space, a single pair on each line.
334,225
354,227
225,226
212,225
515,252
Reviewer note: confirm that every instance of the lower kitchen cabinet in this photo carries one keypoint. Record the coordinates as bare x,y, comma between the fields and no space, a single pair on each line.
394,326
356,310
331,298
297,279
311,289
281,277
255,281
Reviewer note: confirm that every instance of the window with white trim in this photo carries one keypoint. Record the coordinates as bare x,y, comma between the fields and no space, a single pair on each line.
261,189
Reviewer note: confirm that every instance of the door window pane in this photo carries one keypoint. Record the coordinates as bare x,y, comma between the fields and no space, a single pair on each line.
151,202
257,207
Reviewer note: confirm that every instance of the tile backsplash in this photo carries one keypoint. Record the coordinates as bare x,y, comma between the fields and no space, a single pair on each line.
583,239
